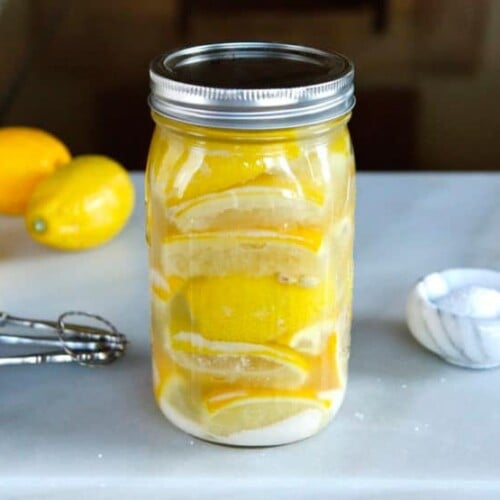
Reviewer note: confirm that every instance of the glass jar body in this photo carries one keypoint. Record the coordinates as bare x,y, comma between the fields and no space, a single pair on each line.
250,237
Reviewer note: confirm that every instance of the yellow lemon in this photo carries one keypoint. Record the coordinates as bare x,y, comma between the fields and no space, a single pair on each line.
238,362
82,205
27,155
241,308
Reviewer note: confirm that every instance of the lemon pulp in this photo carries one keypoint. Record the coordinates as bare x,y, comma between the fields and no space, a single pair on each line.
248,309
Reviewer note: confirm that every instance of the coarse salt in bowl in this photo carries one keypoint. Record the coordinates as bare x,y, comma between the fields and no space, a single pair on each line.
456,314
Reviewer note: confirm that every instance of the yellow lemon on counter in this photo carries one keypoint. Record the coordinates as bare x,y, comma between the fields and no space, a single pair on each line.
82,205
27,155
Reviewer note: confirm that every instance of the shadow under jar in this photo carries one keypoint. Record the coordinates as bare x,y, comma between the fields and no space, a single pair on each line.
250,205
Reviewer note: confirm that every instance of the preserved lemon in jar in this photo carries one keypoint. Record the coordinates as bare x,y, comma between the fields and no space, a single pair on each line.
250,206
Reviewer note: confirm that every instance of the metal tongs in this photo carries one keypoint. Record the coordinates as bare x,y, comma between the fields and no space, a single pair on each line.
86,345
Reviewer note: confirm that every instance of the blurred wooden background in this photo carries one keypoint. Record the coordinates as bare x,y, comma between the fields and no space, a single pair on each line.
428,72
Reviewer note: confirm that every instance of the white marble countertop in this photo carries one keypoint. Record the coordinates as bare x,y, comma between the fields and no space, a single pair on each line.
411,425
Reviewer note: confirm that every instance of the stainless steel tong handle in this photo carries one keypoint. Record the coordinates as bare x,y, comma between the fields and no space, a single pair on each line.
86,345
84,358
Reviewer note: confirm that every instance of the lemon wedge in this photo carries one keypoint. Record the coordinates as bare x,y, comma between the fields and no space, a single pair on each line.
311,340
255,252
329,369
162,364
343,239
241,308
238,362
230,413
183,173
248,207
164,287
162,367
247,417
341,143
217,171
281,196
181,403
341,159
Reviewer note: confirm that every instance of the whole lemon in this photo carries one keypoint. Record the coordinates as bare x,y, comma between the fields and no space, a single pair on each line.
82,205
27,155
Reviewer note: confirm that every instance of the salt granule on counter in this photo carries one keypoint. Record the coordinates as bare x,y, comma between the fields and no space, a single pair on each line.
472,301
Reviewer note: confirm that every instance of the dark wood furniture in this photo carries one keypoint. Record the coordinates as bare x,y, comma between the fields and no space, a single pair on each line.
187,8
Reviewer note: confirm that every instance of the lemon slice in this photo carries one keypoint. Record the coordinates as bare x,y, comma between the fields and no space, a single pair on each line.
162,368
248,207
255,252
329,169
160,314
341,142
329,369
164,287
155,375
312,339
216,172
245,417
241,308
181,404
342,248
168,313
163,290
237,362
159,285
183,171
229,413
165,151
162,364
341,159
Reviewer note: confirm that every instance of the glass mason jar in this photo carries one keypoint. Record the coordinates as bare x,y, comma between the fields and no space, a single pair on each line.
250,205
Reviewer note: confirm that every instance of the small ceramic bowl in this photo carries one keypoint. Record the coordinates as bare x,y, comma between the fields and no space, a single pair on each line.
459,338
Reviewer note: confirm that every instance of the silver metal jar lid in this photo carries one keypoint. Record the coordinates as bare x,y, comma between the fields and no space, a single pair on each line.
251,85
